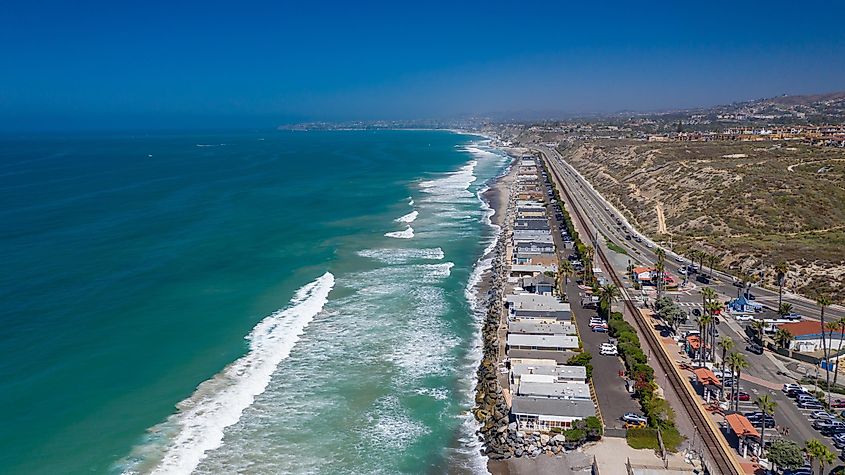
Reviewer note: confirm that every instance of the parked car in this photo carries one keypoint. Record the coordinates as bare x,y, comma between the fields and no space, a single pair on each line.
838,427
837,403
793,387
822,415
599,329
839,440
809,404
755,348
742,395
756,419
633,417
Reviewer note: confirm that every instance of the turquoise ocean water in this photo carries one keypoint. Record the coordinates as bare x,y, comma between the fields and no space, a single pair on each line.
265,302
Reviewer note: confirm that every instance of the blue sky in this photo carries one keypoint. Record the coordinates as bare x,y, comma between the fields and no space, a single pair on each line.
173,64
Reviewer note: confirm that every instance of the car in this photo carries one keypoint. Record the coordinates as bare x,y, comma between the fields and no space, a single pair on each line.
755,348
703,279
822,415
742,395
799,471
682,271
839,441
750,296
837,403
679,259
696,312
837,428
634,418
743,317
609,352
649,245
770,422
809,404
599,329
638,239
792,387
798,392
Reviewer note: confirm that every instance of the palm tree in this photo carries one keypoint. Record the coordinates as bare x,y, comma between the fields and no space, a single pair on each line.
589,252
767,407
840,324
781,268
660,266
712,258
704,321
758,326
726,344
608,293
737,362
823,301
784,309
818,451
566,270
783,337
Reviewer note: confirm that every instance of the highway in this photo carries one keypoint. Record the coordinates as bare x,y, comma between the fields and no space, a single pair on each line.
603,217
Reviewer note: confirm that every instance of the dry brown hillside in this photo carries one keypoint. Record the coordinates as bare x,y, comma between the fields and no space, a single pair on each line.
751,204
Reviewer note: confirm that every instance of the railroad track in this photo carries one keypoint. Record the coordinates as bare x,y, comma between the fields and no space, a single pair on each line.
718,459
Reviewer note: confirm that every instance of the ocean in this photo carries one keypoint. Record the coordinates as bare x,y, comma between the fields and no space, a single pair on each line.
244,302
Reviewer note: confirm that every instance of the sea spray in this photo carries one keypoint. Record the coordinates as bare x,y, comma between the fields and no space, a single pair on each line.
219,402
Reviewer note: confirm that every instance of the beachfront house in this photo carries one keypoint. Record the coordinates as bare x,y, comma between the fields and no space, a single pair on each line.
541,327
526,306
543,414
544,385
542,342
538,284
556,373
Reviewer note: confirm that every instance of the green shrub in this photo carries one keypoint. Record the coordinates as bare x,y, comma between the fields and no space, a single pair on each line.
574,435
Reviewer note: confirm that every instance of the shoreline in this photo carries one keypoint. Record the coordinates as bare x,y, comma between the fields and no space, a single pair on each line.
489,409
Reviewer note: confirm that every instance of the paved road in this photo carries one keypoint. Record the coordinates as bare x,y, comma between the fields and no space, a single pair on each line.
761,367
603,216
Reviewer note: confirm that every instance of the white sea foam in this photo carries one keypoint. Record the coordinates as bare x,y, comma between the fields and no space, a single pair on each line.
408,233
211,145
219,402
451,187
402,256
408,218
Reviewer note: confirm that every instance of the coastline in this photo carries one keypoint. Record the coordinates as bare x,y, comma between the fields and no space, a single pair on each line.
489,409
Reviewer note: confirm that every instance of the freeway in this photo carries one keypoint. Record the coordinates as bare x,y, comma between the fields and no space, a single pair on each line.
604,218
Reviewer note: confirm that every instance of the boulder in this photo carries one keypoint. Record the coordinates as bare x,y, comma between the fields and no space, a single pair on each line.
544,439
512,426
559,439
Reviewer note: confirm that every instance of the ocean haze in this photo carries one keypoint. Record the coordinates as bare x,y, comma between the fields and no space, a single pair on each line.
259,64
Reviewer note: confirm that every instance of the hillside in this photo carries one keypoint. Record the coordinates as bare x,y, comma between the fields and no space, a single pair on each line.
752,204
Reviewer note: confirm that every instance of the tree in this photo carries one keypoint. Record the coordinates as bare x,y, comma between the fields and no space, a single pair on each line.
758,326
783,338
588,254
784,309
819,452
786,454
726,344
660,266
566,270
781,268
737,362
713,307
712,258
608,293
767,407
823,301
840,324
704,322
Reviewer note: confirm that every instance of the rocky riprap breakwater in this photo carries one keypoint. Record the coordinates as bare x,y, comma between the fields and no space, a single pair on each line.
501,438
